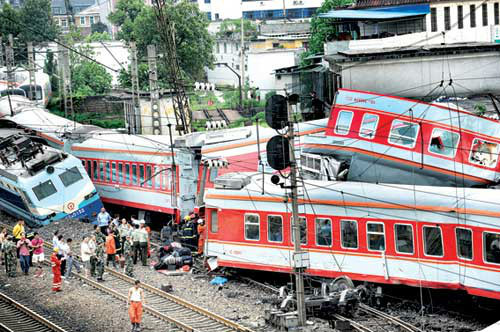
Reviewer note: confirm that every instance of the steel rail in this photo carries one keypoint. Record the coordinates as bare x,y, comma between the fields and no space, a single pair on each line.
354,324
407,326
16,317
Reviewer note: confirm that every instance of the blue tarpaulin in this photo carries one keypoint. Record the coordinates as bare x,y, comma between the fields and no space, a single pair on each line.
380,13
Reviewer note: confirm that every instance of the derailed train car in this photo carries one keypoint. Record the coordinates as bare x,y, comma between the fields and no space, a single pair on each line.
434,237
40,184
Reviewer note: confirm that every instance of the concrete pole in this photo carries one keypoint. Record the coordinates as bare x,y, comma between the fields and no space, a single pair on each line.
242,54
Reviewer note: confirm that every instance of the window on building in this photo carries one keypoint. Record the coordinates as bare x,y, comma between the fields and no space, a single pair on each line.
276,45
444,142
44,190
237,67
343,123
434,22
64,23
496,13
484,8
216,16
275,229
323,231
207,1
349,234
70,176
447,23
403,133
404,238
225,47
433,241
217,48
209,15
92,20
375,236
472,15
303,230
484,153
491,247
214,221
252,227
368,126
82,20
464,242
460,16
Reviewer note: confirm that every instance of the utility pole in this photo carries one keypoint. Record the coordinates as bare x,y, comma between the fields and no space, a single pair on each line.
9,59
135,88
154,95
242,55
31,71
66,77
1,53
298,254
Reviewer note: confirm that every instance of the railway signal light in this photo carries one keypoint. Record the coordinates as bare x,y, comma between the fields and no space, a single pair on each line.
276,112
278,153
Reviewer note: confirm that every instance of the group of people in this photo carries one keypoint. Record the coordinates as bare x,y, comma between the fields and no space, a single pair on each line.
190,233
27,249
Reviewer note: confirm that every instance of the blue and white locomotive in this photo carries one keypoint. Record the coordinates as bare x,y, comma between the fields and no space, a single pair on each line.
41,184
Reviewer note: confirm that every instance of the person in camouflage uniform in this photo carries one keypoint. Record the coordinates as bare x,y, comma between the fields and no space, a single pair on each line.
128,253
10,250
99,266
99,237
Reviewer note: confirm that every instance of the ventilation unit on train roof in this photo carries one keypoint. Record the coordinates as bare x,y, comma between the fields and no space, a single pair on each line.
232,181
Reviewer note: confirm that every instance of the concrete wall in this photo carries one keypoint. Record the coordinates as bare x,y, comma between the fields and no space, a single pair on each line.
262,65
415,77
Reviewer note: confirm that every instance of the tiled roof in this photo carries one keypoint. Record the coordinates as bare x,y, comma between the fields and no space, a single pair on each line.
78,5
385,3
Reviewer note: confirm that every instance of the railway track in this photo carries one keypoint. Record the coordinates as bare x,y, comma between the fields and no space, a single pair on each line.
15,317
179,314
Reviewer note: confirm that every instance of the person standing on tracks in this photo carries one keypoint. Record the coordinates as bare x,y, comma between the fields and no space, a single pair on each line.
103,219
17,231
10,251
110,249
128,253
56,270
201,236
71,260
135,239
99,266
99,236
135,301
38,255
143,243
85,254
24,245
93,259
123,230
3,238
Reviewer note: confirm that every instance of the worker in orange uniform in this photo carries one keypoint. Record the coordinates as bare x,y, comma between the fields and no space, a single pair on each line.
56,270
201,236
148,229
110,249
135,301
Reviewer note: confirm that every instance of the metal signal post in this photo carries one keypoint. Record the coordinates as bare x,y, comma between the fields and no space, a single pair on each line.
298,253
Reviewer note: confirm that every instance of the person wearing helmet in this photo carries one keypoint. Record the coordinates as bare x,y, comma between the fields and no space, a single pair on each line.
56,270
201,236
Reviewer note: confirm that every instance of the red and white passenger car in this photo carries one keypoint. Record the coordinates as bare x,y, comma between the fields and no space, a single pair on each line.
384,233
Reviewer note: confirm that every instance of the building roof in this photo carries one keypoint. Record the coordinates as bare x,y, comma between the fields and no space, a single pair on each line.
383,13
78,5
385,3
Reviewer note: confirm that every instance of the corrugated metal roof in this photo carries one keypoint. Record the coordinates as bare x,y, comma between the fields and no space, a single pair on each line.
379,13
385,3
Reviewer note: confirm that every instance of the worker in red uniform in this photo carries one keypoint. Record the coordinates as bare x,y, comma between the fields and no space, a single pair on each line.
136,301
201,236
56,270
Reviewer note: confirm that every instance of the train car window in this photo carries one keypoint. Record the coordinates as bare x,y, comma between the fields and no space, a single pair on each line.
134,174
349,234
433,241
252,227
70,176
491,243
368,126
127,173
274,229
343,123
165,179
375,236
113,167
323,231
444,142
149,176
158,177
404,238
403,133
89,168
464,242
108,172
303,230
484,153
95,170
141,175
214,221
120,173
101,170
44,190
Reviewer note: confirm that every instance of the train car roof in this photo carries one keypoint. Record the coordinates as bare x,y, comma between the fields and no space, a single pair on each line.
250,187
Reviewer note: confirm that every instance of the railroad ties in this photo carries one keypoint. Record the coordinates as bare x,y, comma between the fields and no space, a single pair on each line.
15,317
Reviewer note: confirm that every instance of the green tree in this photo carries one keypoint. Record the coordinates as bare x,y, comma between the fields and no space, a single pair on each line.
99,27
36,22
230,27
9,19
137,22
321,29
89,79
97,37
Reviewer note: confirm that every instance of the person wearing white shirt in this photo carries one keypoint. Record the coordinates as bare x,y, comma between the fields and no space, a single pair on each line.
55,240
85,254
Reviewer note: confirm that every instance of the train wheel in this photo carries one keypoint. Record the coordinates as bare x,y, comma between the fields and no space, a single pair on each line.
342,283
